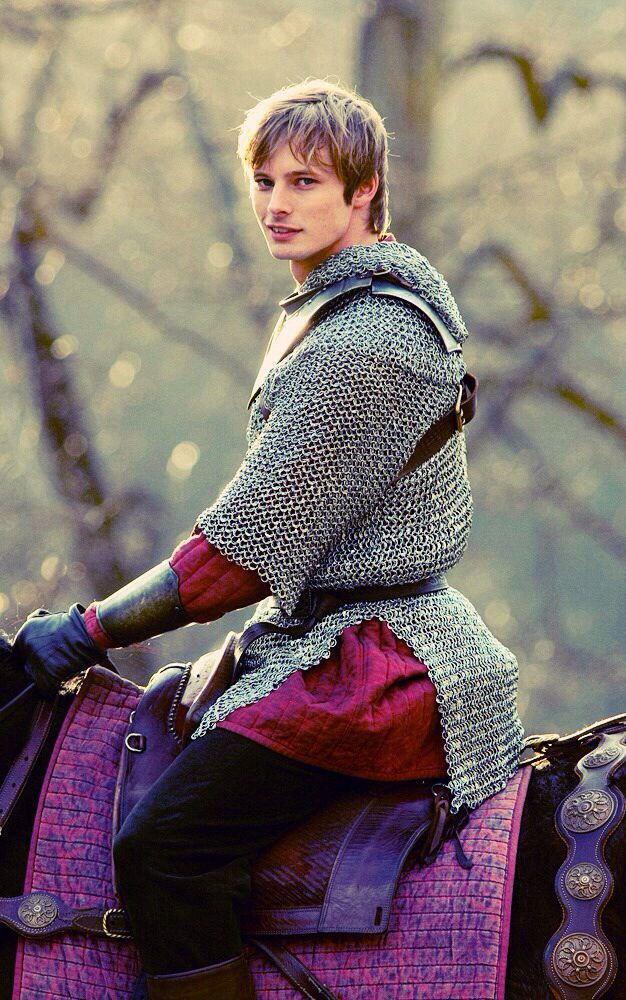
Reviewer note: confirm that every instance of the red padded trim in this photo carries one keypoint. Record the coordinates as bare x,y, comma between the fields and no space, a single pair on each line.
96,633
210,585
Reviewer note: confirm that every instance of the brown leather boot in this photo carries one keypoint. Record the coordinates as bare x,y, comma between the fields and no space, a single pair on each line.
229,980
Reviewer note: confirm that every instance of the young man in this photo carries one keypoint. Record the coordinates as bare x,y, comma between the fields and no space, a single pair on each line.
349,544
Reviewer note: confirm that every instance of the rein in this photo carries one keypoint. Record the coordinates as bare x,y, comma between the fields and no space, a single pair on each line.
10,705
22,767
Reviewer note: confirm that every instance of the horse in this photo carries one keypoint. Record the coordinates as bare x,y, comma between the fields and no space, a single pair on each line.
535,912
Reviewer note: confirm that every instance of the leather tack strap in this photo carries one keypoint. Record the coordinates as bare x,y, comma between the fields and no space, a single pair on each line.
42,915
579,961
554,747
295,971
22,767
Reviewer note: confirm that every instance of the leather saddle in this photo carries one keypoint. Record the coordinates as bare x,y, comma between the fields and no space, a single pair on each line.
338,870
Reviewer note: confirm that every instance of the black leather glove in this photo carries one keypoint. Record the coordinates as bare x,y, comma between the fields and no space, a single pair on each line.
53,648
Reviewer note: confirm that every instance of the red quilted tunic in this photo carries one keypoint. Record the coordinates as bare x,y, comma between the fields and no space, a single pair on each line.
368,710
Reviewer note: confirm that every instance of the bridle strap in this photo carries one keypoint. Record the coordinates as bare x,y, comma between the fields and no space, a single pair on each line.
22,767
579,961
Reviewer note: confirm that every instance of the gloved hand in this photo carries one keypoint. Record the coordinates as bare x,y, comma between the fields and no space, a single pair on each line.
54,647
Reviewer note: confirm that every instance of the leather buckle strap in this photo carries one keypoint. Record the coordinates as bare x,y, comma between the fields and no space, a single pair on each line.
446,427
43,914
429,585
294,970
460,419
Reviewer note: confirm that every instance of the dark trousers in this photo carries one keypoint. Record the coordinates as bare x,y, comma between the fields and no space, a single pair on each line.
183,855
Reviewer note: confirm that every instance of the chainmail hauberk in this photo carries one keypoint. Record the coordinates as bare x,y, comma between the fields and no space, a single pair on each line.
317,503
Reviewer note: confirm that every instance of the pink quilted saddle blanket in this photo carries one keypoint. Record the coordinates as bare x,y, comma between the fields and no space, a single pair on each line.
447,935
70,852
448,931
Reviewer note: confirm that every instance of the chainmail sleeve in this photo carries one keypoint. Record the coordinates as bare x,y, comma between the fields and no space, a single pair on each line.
341,426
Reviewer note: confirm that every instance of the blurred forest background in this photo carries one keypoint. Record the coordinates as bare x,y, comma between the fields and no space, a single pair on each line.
136,294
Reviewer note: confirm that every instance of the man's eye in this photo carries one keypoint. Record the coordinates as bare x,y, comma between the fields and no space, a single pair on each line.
262,182
307,181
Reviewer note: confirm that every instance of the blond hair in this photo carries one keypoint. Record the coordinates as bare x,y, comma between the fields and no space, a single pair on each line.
317,119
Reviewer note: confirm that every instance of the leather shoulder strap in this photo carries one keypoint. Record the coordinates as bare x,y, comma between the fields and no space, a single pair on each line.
299,311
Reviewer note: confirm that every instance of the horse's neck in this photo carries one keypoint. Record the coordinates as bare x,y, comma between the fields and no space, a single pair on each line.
549,787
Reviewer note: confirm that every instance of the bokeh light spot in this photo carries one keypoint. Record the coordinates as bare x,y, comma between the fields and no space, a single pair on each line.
219,255
182,460
117,55
123,371
52,568
81,148
191,37
174,88
63,346
47,119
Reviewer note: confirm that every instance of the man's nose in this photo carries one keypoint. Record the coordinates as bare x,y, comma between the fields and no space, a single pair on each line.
279,202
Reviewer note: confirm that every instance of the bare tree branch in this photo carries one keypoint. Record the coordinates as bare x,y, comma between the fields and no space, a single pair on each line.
76,473
572,396
541,92
13,25
506,170
540,304
41,84
211,157
118,121
150,311
545,485
582,401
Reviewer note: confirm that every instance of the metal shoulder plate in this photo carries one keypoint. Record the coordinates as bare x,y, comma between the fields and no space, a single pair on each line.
300,309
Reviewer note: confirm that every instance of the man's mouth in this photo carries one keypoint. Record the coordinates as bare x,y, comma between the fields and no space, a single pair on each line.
283,230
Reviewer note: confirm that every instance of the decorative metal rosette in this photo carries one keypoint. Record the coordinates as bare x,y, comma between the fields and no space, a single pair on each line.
580,959
584,811
585,881
601,757
38,910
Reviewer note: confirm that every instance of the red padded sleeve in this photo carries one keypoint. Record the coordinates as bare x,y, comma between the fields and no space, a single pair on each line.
209,586
97,634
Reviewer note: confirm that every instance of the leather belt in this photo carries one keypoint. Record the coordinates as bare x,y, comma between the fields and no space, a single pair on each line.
314,605
42,914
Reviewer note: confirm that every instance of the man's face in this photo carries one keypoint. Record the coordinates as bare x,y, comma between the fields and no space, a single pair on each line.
302,212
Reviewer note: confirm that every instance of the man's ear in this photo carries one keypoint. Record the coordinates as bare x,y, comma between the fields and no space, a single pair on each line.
365,191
